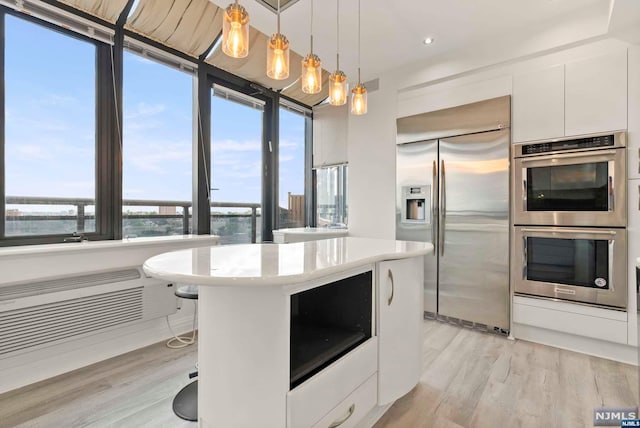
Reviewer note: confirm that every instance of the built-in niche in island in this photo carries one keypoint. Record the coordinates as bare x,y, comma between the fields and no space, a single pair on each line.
327,322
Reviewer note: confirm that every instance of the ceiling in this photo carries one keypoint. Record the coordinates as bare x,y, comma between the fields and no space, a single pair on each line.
392,31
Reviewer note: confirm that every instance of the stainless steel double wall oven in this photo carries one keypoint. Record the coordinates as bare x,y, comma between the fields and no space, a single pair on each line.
569,210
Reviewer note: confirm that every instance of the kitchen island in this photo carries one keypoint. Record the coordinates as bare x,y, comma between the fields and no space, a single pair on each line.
304,334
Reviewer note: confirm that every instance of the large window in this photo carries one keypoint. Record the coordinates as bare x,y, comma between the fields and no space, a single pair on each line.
292,169
99,138
50,131
157,147
236,165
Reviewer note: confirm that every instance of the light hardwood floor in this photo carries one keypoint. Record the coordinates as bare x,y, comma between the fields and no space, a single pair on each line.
470,379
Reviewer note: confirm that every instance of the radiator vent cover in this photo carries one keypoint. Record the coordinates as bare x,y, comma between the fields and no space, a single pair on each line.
26,289
44,324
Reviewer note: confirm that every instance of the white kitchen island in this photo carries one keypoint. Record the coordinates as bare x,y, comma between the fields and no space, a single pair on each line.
252,298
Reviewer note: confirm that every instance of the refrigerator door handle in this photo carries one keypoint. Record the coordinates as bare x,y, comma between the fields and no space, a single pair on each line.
434,223
443,207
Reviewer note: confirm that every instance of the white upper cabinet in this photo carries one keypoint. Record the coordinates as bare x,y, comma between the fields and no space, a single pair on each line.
400,314
330,129
538,104
596,94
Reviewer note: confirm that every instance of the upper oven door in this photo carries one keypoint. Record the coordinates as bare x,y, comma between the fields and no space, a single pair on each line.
584,188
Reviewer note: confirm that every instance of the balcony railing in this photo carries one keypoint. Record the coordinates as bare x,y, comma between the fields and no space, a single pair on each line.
81,217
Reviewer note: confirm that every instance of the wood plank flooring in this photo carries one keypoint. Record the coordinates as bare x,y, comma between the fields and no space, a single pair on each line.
470,379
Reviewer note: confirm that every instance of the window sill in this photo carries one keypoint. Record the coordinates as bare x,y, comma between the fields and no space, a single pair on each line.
70,247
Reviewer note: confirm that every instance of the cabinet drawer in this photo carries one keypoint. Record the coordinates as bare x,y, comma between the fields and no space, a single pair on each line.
316,397
353,408
601,324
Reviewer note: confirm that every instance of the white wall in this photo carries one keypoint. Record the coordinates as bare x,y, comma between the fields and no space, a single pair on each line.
372,153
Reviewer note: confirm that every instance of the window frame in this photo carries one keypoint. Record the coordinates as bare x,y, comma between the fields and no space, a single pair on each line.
104,150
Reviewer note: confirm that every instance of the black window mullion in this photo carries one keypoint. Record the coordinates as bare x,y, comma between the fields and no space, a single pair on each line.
201,215
270,150
309,186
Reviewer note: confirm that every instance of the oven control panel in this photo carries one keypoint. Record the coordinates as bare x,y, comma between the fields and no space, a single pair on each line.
577,144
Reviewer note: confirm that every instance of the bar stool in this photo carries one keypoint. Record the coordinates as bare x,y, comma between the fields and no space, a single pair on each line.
185,403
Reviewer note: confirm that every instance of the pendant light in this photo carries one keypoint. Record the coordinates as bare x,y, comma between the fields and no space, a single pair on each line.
359,93
278,54
338,86
235,31
311,68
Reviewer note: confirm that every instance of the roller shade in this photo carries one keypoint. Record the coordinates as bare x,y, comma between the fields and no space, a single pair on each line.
109,10
189,26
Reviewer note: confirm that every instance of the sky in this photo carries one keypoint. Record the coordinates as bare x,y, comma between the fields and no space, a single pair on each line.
50,131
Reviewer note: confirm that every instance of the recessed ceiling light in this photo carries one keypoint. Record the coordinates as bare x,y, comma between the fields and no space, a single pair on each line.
428,40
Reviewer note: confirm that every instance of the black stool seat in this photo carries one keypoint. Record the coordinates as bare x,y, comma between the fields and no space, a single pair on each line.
187,292
185,403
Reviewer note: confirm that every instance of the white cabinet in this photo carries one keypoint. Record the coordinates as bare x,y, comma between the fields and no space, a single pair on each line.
633,141
633,242
596,94
399,327
330,129
538,104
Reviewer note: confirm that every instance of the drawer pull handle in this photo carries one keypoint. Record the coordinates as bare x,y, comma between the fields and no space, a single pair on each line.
393,288
343,420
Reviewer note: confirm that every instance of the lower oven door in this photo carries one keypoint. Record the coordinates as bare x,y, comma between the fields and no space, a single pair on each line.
578,264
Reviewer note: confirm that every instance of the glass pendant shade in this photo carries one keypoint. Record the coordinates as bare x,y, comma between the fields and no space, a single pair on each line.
338,88
278,57
235,31
359,100
311,74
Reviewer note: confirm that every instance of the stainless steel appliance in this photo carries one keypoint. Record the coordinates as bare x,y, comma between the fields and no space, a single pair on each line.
587,265
454,163
579,181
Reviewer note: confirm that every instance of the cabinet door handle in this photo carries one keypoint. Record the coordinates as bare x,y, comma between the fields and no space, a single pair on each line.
392,288
345,418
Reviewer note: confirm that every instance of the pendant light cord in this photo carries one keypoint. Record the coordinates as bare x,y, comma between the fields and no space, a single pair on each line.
311,27
278,16
338,35
359,31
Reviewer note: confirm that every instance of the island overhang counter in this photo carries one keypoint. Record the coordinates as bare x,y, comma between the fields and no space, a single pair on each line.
272,350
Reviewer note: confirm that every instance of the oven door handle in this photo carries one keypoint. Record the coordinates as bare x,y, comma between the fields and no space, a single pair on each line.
572,231
611,186
568,155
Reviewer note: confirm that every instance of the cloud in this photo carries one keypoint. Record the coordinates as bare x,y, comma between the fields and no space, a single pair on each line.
286,158
284,143
29,152
157,157
57,100
143,109
236,146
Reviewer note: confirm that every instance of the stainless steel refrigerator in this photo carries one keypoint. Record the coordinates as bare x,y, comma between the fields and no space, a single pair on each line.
453,191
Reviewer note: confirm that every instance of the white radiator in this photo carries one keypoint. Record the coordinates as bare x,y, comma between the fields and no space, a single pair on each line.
36,314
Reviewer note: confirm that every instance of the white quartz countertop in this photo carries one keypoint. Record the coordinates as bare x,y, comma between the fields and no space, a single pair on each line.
276,264
313,231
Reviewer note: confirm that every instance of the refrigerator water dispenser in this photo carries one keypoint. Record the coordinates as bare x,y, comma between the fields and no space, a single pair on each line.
416,199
